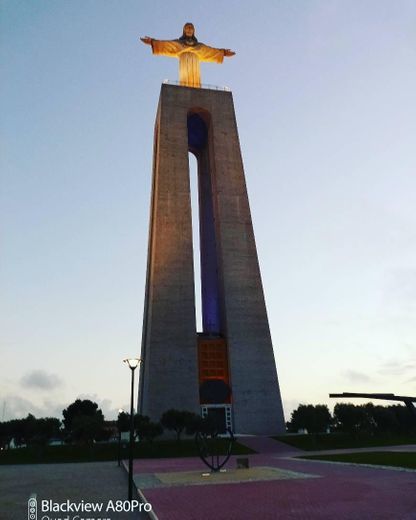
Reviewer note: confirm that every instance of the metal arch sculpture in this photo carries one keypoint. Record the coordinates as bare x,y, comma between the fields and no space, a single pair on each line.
208,448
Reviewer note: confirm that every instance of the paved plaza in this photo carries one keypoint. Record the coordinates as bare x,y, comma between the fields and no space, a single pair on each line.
96,482
276,486
289,488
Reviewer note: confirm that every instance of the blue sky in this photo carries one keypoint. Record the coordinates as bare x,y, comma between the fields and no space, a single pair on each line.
325,104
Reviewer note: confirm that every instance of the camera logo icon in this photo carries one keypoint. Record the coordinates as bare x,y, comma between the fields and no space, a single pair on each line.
32,508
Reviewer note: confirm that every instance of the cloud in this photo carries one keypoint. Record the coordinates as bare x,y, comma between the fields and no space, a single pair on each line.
356,377
16,407
396,367
53,408
40,380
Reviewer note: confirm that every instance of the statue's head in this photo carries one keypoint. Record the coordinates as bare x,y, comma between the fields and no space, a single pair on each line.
188,30
188,34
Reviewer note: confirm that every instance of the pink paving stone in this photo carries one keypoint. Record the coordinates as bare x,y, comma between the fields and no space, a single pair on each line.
326,498
343,492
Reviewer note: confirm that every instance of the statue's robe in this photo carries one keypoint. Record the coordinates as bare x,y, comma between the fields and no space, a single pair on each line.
189,58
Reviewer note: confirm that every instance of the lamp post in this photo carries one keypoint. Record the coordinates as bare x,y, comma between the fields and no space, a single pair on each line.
133,364
120,411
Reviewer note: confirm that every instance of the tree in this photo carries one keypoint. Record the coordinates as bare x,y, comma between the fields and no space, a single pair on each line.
315,419
177,421
385,419
86,428
405,418
348,417
5,437
195,423
140,425
83,421
152,430
16,430
44,429
123,422
146,429
30,430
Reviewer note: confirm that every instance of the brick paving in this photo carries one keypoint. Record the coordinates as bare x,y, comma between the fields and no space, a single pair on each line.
342,492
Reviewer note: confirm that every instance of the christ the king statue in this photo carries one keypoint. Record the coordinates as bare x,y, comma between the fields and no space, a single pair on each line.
190,52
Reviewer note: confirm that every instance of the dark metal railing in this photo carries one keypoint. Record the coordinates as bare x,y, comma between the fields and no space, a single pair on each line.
203,85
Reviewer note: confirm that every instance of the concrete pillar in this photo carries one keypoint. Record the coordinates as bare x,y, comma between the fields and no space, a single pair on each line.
169,374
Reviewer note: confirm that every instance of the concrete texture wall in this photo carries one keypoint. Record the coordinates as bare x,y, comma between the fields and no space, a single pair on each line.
169,376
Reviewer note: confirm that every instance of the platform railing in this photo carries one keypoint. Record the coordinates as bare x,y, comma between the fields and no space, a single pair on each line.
203,85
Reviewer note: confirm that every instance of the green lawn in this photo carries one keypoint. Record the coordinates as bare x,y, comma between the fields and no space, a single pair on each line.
382,458
100,452
332,441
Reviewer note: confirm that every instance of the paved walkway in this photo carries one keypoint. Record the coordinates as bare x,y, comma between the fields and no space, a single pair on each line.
321,491
404,448
267,445
96,482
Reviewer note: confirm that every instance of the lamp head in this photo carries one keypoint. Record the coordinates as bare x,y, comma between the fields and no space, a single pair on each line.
132,362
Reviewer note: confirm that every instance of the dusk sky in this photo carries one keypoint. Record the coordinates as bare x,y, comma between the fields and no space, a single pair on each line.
325,101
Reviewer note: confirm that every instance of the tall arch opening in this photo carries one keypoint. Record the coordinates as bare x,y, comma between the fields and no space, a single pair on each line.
213,366
198,143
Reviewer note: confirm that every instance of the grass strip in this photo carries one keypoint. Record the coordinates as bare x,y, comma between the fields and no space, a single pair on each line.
108,451
335,441
378,458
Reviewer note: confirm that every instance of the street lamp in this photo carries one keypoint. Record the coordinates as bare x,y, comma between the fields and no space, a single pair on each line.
133,364
120,411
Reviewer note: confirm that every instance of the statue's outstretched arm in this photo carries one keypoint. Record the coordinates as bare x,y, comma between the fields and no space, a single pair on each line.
169,48
207,53
147,40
